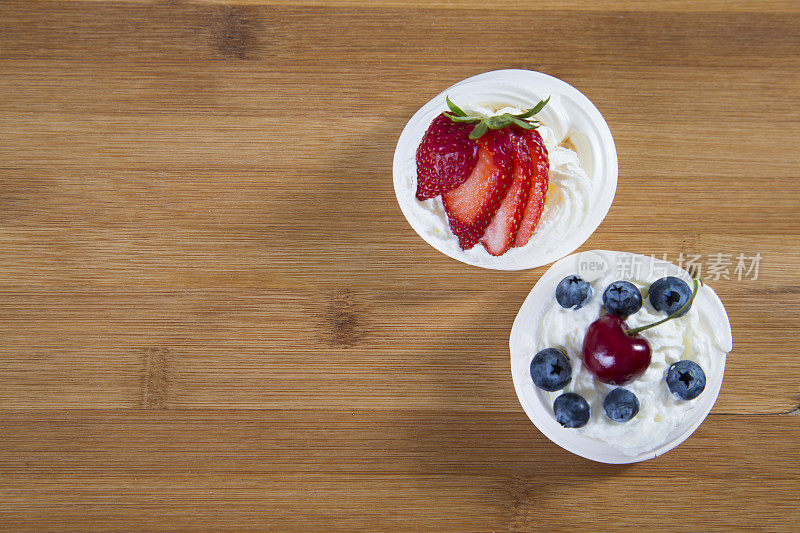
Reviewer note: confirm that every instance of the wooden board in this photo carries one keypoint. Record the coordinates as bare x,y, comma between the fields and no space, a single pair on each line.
215,317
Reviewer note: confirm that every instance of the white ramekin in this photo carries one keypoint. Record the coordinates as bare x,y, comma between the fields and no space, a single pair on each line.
569,113
535,401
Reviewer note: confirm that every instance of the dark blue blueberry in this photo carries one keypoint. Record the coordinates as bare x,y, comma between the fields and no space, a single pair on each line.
550,370
670,294
573,292
571,410
686,380
621,405
622,298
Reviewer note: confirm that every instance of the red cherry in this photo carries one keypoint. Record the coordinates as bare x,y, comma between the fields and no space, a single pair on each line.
611,354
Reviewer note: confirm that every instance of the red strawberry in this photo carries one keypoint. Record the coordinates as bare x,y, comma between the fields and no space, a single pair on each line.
533,211
502,231
471,206
445,157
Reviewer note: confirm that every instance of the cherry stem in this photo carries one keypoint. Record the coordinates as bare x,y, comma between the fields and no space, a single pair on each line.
633,331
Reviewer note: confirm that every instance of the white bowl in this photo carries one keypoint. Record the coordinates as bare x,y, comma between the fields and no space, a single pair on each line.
536,402
569,113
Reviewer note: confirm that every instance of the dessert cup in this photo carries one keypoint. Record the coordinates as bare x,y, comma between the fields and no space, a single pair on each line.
538,403
573,121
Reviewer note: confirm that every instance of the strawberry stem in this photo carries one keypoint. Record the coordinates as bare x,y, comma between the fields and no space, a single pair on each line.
497,122
697,282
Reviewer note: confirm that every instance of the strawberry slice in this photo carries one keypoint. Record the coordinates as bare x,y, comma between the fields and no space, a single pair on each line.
471,206
538,190
445,157
502,231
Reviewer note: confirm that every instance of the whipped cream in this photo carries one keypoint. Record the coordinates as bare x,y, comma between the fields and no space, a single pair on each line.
566,208
694,336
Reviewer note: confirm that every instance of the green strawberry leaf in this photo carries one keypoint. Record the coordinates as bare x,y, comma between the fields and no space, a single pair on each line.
524,124
479,130
466,119
499,122
538,107
457,111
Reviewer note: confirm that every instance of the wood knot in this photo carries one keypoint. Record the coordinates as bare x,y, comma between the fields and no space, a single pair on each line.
520,496
233,33
345,321
156,378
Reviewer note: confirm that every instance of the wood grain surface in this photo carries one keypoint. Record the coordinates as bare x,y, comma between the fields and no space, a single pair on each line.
215,317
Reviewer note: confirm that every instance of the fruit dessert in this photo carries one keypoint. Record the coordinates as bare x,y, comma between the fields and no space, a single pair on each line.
493,179
626,361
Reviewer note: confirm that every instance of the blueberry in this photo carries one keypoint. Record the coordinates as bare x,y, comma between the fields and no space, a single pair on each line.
550,370
621,405
670,294
686,380
622,298
571,410
573,292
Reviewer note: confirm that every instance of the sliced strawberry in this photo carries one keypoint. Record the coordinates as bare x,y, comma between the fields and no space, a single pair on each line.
539,182
471,206
445,157
502,231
